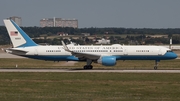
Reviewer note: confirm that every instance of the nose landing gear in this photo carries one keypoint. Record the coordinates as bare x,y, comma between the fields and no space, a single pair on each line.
156,64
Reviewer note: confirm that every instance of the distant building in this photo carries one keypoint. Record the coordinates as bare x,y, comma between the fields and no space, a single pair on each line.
59,22
62,34
103,41
158,36
86,34
17,20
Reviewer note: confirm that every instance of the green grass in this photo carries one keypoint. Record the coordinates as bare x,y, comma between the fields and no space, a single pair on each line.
89,87
129,64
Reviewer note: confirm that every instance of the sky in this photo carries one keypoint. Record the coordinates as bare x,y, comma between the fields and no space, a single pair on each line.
96,13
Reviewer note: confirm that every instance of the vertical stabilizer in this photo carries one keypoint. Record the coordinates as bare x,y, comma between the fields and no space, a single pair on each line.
18,37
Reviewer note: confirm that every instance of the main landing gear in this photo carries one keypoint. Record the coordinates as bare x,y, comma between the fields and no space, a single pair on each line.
88,66
156,64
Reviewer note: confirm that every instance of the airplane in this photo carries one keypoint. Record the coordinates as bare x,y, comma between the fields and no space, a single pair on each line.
106,55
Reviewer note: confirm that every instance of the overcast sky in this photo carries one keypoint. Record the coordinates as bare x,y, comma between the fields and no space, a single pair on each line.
96,13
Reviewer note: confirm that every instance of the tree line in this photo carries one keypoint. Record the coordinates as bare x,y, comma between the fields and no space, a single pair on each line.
140,33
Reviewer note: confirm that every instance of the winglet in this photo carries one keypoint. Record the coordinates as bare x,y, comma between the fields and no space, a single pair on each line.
65,47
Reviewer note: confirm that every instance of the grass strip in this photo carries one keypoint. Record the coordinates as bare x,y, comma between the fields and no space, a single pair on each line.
89,86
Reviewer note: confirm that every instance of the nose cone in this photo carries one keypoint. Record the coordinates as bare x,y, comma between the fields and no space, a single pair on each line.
171,55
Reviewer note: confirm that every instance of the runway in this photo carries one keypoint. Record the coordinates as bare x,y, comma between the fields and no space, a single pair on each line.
103,71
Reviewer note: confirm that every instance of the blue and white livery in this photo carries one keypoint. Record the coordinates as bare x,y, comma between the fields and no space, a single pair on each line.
106,55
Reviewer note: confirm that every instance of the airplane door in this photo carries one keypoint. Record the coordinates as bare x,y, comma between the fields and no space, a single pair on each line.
35,51
160,52
125,52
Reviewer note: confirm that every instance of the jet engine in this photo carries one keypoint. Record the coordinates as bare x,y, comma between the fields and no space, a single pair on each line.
107,60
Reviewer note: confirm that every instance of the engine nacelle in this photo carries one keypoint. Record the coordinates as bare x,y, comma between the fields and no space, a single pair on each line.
107,60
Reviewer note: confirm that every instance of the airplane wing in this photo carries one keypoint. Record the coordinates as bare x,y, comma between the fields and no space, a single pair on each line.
81,56
85,55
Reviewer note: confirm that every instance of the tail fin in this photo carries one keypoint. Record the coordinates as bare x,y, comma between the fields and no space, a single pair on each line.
18,37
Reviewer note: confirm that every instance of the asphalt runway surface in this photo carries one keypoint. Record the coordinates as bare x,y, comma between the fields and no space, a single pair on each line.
82,70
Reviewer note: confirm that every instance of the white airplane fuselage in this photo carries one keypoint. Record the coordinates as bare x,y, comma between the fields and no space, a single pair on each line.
57,53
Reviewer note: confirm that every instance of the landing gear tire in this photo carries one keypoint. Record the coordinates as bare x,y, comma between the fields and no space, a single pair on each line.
155,67
156,64
88,67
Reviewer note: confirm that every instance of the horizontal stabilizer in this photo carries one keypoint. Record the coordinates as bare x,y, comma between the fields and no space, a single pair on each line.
15,51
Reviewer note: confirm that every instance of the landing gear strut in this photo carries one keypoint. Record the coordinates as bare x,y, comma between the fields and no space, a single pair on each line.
156,64
88,66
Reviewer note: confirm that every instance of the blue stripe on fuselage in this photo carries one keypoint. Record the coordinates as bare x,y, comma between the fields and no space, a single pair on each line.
53,58
168,55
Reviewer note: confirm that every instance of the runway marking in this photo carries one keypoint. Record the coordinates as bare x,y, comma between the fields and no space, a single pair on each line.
106,71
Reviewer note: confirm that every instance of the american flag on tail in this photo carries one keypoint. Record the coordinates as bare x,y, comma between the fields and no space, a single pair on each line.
13,33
